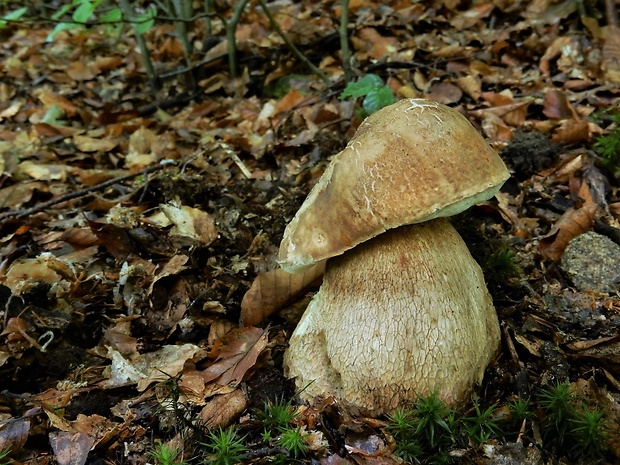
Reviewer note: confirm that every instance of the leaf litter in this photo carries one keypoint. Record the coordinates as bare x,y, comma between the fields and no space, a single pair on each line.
139,228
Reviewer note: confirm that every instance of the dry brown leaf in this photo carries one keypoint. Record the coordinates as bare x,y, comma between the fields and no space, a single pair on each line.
553,51
71,448
374,44
49,99
469,18
25,273
223,410
150,367
571,224
513,114
273,290
13,434
79,238
20,193
191,222
445,93
79,71
116,240
92,144
287,102
42,171
571,132
471,85
557,106
236,353
55,130
605,350
611,53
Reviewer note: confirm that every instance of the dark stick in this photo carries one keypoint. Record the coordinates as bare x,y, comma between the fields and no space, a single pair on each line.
73,195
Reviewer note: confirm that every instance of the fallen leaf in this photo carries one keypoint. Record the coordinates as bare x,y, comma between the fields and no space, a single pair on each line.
42,171
92,144
571,224
79,71
236,353
116,240
26,273
571,132
71,448
273,290
223,410
13,434
49,99
150,367
191,222
557,106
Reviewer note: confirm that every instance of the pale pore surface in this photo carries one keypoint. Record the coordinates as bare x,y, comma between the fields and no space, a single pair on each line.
404,314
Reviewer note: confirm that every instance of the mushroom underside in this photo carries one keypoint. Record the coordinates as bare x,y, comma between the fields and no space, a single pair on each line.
405,314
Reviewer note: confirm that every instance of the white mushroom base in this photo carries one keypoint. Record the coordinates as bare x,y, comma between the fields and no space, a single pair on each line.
405,314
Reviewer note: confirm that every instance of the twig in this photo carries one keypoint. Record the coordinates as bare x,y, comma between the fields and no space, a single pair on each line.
290,44
82,192
344,40
611,13
144,50
231,27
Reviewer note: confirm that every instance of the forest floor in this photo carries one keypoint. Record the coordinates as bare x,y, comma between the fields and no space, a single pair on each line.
136,215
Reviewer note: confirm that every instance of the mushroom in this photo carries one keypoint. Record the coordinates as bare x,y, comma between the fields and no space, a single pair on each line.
403,310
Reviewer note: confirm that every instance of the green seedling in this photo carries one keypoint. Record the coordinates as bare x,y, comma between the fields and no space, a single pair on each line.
433,421
163,454
589,430
292,439
402,427
376,94
569,424
14,15
4,456
520,411
402,424
279,414
225,446
482,426
608,145
503,265
557,400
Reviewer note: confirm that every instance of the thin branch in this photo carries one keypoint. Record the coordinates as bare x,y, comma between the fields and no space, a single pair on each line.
611,12
144,50
82,192
344,40
290,44
231,27
208,14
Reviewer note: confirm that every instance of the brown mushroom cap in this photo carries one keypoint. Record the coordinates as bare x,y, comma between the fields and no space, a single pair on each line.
407,163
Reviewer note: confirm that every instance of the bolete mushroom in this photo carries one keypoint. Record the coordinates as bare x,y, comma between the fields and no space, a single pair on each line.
403,309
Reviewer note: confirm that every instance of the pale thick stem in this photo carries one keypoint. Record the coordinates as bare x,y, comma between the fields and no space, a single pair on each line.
402,315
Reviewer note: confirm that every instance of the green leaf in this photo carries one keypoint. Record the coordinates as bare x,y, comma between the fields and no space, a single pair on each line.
146,20
378,98
65,9
83,12
361,87
115,15
53,115
59,28
13,16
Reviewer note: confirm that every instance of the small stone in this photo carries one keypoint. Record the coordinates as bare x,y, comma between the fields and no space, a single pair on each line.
592,262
